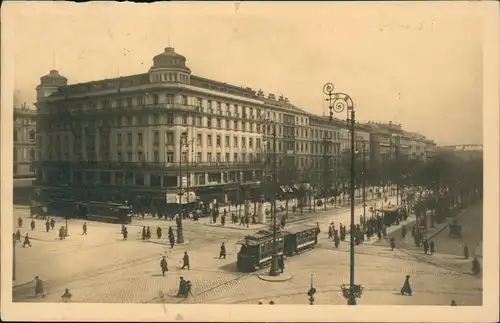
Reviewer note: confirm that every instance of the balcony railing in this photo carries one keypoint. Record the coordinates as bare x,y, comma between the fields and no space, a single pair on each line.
146,165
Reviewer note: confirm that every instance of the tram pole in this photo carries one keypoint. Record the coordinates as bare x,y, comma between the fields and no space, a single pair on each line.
274,271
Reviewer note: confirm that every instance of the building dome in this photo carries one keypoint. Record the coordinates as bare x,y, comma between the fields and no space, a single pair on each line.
53,79
170,59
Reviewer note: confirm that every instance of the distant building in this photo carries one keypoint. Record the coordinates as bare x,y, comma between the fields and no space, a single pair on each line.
464,151
24,147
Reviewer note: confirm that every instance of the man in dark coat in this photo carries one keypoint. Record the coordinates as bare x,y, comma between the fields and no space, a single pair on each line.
171,237
222,253
281,262
336,240
26,241
393,244
20,222
143,235
32,225
426,246
47,226
158,232
406,289
39,287
466,252
125,233
431,247
183,288
163,265
223,219
148,233
185,261
52,223
18,235
84,228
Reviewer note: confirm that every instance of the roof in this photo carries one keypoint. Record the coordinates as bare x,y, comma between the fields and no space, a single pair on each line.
258,237
299,228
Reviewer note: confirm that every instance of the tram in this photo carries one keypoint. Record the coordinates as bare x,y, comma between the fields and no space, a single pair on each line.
257,249
106,212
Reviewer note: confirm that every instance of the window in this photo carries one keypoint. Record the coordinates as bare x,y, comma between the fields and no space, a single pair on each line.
129,139
170,99
250,142
209,157
217,157
129,157
198,157
140,156
139,139
258,143
130,120
199,102
170,119
227,157
235,125
198,121
209,140
184,100
140,100
156,137
170,157
235,141
184,157
227,141
218,143
169,138
119,156
219,123
243,142
184,120
209,122
209,104
243,157
156,98
156,119
198,139
235,157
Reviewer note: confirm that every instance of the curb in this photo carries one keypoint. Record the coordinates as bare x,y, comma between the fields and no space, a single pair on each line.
186,242
275,279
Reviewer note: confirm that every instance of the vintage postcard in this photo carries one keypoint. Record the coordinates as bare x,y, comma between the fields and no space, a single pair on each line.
248,161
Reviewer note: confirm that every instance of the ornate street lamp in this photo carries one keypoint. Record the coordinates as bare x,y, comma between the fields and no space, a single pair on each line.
183,142
274,270
338,102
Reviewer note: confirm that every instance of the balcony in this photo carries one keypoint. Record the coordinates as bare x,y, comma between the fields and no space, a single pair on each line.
196,166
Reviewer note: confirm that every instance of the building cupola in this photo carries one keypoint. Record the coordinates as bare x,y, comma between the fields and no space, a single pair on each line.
169,67
50,83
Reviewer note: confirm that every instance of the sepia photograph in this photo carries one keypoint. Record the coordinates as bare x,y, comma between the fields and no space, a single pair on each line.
204,161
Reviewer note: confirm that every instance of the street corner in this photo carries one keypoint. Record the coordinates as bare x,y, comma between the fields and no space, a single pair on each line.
274,279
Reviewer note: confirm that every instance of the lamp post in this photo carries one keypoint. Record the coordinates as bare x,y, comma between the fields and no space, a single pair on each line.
183,142
338,102
274,270
364,185
13,257
326,173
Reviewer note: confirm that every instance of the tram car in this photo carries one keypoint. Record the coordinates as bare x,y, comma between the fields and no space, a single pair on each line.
106,212
300,239
257,249
455,230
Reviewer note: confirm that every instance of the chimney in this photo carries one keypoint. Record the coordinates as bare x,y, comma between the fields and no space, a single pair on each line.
281,99
286,100
271,96
260,93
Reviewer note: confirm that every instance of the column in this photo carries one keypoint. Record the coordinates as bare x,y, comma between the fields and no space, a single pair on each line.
261,213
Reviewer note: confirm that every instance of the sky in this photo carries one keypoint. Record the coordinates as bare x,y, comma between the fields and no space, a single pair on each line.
415,64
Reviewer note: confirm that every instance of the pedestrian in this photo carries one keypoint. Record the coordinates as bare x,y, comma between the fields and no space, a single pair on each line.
52,223
283,222
183,288
20,222
32,225
163,265
66,296
247,220
148,233
261,302
431,247
185,261
222,253
466,251
336,240
426,246
330,231
61,233
223,219
271,302
143,235
158,232
476,266
281,263
393,244
453,303
379,235
242,221
47,226
171,237
406,289
84,229
26,241
39,287
18,235
125,233
403,232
